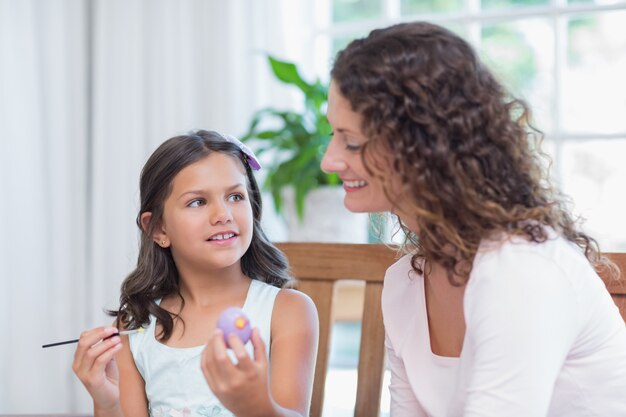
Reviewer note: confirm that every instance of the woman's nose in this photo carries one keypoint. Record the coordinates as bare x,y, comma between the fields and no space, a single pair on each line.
333,161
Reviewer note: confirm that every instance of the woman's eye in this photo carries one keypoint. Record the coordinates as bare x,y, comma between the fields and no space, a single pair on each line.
196,203
351,144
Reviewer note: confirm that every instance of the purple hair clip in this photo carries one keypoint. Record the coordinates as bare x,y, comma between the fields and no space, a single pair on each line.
252,160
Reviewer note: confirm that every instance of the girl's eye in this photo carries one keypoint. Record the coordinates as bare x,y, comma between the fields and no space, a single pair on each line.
196,203
235,197
353,148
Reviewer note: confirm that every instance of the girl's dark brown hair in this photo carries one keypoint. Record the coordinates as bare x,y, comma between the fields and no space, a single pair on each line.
156,275
461,145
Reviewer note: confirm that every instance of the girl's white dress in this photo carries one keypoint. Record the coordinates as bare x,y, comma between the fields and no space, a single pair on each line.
175,385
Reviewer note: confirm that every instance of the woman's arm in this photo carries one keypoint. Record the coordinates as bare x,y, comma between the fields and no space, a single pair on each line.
521,322
403,401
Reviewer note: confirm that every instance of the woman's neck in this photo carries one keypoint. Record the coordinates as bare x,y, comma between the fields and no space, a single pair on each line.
444,307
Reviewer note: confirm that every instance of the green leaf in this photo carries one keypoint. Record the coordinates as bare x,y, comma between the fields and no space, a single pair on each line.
298,139
301,190
287,72
268,134
333,179
278,200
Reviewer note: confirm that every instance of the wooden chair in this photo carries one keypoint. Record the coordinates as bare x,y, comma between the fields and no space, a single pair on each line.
617,288
318,267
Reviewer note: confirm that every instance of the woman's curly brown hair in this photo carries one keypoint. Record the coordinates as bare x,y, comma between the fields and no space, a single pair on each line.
461,145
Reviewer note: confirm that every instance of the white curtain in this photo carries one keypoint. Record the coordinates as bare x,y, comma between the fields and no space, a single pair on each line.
88,89
43,125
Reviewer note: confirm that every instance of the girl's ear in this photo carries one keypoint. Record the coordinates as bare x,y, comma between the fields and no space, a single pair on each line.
158,234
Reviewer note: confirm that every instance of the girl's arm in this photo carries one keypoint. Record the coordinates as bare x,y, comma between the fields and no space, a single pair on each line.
107,369
295,331
133,400
249,388
95,365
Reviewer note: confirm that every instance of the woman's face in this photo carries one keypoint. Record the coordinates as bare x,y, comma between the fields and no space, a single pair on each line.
364,194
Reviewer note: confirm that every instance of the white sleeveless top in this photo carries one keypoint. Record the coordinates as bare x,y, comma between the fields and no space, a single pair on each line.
175,385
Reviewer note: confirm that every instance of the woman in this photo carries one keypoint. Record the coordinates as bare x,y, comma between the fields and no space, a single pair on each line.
497,309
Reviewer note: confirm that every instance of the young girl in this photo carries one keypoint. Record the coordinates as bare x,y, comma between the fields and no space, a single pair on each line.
497,310
202,250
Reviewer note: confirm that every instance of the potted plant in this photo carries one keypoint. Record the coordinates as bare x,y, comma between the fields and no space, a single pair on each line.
298,139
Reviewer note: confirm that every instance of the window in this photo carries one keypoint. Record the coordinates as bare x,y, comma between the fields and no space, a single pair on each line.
567,58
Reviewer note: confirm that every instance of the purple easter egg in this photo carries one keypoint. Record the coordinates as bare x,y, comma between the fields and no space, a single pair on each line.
234,320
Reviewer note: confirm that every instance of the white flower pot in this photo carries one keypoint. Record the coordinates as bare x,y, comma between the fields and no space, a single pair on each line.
325,218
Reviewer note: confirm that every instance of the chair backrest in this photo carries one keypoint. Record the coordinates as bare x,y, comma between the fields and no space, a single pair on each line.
319,266
617,287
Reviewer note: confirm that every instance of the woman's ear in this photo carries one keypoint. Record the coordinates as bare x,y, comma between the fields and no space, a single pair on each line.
158,234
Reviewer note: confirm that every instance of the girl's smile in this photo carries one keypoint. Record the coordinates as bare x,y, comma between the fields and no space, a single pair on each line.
208,216
223,238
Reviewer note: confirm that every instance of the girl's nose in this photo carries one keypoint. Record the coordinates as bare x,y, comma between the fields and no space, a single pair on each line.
221,214
333,160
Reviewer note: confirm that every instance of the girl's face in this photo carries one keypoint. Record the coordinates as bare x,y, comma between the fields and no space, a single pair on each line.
364,194
207,218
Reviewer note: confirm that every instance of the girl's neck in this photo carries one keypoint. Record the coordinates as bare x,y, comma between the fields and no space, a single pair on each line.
206,289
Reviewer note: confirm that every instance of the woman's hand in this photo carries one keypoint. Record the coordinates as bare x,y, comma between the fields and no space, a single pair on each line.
242,387
94,364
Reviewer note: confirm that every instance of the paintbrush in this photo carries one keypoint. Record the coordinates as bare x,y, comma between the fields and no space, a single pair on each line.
123,332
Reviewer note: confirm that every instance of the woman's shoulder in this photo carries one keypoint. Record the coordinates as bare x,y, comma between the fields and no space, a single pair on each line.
509,251
516,263
402,284
401,272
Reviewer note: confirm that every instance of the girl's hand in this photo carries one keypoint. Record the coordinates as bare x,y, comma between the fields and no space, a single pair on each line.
242,388
94,364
